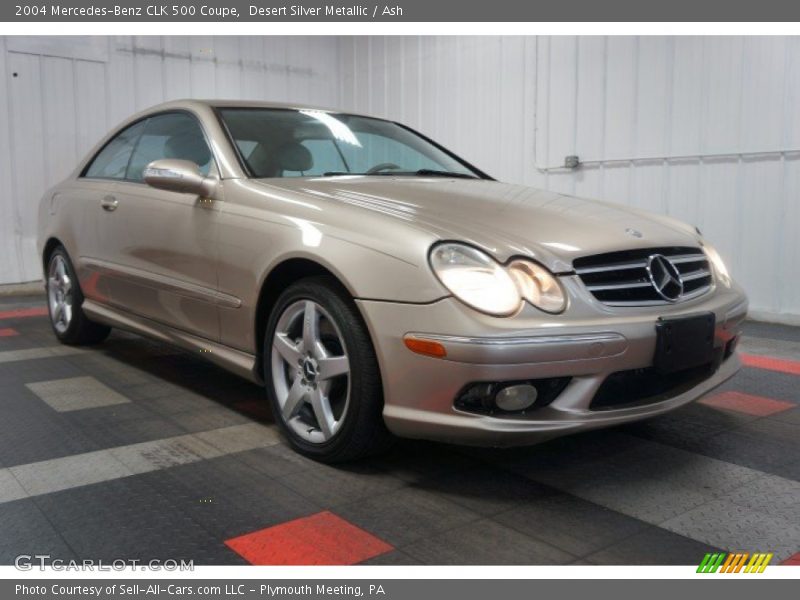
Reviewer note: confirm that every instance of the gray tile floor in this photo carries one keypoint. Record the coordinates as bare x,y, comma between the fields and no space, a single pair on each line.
133,449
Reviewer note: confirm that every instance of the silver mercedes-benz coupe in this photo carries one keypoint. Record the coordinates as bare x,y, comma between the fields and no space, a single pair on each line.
377,284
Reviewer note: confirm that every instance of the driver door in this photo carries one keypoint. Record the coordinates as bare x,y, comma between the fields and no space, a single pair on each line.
160,247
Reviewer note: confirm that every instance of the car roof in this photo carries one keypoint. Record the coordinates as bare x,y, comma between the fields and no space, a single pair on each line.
222,103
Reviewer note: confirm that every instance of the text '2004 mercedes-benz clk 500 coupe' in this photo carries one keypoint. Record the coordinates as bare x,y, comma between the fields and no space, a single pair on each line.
377,284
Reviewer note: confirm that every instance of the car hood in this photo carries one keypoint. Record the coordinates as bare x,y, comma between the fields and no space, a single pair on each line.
504,219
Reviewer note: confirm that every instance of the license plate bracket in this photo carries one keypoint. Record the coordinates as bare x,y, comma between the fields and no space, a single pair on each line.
684,342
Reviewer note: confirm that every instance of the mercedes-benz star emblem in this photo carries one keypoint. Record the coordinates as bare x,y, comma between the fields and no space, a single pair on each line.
310,370
665,277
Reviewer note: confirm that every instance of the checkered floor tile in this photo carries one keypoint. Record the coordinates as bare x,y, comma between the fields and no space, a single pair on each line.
321,539
135,449
746,403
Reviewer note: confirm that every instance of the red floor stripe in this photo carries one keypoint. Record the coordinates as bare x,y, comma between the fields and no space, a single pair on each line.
8,332
772,364
793,560
18,313
321,539
758,406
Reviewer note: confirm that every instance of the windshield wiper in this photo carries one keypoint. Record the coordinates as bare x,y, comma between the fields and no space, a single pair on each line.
435,173
419,173
424,173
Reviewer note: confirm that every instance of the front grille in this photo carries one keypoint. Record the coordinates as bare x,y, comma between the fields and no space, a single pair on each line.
622,279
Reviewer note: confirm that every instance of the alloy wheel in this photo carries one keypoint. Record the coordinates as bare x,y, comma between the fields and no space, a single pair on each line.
310,371
59,294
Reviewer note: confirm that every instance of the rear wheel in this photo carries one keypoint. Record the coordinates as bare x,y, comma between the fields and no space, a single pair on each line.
65,304
322,375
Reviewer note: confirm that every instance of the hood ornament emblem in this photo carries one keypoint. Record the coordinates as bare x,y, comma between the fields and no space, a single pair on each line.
665,277
633,232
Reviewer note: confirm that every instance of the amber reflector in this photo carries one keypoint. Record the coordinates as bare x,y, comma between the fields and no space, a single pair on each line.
426,347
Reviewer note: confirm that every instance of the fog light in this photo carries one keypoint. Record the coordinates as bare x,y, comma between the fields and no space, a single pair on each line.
516,397
509,398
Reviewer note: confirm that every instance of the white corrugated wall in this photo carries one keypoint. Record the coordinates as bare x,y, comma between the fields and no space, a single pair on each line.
60,95
706,129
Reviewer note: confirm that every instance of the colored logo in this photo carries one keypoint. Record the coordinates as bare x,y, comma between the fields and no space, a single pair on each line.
723,562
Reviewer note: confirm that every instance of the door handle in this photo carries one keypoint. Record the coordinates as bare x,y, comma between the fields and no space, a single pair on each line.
109,203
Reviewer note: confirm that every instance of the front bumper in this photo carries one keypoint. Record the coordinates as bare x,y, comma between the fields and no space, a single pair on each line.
588,343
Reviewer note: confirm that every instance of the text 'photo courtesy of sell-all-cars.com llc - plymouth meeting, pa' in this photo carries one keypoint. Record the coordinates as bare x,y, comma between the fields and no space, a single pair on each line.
378,285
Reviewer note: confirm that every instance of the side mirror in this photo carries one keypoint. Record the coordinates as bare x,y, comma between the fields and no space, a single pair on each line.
177,175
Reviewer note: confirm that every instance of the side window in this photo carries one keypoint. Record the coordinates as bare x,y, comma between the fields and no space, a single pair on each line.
173,135
112,161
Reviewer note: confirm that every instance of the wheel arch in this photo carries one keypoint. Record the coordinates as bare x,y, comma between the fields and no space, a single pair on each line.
50,245
278,279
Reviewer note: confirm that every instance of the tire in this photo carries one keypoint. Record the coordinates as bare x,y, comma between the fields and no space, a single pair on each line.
65,301
299,383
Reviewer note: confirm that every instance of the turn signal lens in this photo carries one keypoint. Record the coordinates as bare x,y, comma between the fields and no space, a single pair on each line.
425,347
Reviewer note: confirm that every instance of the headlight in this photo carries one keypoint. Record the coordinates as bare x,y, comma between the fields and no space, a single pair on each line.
538,286
719,265
476,279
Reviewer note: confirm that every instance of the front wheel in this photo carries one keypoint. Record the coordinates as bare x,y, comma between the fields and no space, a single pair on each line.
322,375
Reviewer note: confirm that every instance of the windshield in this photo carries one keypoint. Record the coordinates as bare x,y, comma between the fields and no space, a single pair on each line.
313,143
